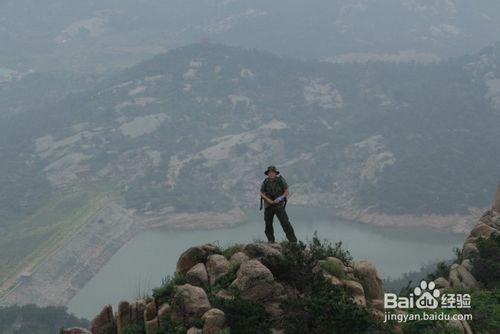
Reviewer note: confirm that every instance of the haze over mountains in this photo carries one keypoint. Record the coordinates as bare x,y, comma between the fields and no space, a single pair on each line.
121,115
97,35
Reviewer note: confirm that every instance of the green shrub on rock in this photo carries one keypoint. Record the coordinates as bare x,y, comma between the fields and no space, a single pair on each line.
165,292
486,265
243,316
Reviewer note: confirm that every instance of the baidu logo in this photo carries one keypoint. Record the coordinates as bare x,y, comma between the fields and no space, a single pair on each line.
427,296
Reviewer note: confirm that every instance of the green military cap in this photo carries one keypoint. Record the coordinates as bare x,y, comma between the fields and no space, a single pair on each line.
271,168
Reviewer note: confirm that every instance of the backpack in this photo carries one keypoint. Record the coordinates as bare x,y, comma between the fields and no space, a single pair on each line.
280,181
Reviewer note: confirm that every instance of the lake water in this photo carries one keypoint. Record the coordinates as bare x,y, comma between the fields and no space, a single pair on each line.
141,264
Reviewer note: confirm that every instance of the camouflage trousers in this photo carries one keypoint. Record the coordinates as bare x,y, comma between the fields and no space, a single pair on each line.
280,212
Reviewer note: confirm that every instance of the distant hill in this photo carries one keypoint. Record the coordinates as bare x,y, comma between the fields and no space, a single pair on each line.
101,35
30,319
395,139
192,131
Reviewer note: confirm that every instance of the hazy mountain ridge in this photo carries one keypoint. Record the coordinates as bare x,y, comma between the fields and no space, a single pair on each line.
99,35
346,135
155,139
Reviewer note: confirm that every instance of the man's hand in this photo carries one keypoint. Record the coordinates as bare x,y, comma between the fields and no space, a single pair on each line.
267,199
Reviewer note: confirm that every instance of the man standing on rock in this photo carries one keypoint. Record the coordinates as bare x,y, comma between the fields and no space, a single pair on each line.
274,191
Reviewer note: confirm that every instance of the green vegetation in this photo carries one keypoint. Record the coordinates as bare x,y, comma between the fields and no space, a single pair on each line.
165,292
243,316
225,281
332,268
486,266
230,250
328,308
135,329
486,311
31,319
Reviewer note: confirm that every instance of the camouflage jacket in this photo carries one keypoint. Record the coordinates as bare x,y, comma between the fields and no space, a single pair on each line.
274,188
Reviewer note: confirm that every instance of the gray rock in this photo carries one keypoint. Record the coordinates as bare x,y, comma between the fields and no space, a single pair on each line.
137,311
163,312
189,258
224,294
197,275
150,311
189,302
217,266
151,326
370,279
255,282
123,319
260,250
482,230
468,281
104,322
467,263
194,330
460,277
214,320
238,258
357,291
442,283
469,250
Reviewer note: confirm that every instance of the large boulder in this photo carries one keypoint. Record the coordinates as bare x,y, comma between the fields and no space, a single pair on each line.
217,266
441,283
255,282
370,279
150,311
460,277
189,258
189,302
469,250
357,291
213,321
197,275
482,230
163,312
238,258
104,322
261,250
151,326
123,319
137,311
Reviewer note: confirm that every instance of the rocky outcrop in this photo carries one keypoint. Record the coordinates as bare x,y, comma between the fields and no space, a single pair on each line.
213,321
238,258
104,322
255,282
217,266
189,302
197,275
368,276
189,258
460,275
